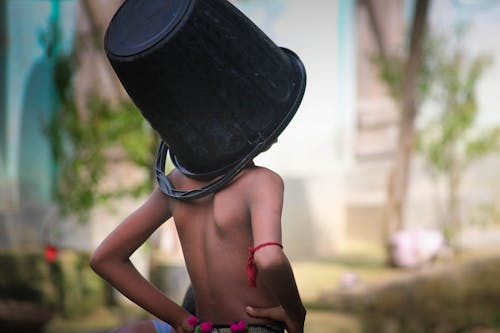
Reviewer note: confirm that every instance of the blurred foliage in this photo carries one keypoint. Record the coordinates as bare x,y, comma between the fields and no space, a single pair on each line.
26,277
79,290
82,140
391,68
451,140
456,297
485,214
68,285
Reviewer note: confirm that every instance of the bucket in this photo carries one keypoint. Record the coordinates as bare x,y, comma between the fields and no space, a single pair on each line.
209,81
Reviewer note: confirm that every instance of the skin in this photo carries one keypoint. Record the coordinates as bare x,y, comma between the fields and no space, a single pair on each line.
215,232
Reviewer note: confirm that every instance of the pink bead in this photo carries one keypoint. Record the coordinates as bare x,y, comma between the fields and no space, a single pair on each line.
239,326
192,320
206,327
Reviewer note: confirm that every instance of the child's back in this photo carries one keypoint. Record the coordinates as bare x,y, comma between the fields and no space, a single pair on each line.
216,232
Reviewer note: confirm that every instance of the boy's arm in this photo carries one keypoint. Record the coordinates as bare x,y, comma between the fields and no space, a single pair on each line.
275,272
111,261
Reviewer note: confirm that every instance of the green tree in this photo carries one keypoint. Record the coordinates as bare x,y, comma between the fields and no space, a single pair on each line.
451,141
85,141
403,75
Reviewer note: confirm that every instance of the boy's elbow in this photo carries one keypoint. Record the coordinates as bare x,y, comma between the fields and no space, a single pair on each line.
94,263
270,259
97,262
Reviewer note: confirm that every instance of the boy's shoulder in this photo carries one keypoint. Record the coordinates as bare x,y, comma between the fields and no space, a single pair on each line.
250,180
259,173
259,178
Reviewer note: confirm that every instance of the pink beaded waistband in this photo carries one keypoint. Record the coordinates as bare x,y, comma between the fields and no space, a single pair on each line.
239,326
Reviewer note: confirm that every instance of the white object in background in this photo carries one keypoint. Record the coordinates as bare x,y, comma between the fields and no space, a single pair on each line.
416,246
349,280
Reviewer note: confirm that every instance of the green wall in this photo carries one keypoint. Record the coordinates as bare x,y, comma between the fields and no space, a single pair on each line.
29,97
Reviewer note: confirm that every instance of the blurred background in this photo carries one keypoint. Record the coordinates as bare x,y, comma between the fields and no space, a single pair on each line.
392,195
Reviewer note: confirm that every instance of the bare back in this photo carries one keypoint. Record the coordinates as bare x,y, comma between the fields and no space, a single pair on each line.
215,233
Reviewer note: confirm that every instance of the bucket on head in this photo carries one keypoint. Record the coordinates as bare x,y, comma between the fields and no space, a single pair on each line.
208,80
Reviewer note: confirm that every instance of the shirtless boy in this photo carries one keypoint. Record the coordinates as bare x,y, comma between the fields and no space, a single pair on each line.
216,233
218,91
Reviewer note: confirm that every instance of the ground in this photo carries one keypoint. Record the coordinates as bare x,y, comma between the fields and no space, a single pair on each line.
323,284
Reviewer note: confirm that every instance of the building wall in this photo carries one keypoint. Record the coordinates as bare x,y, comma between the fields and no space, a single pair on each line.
334,155
340,145
312,151
27,104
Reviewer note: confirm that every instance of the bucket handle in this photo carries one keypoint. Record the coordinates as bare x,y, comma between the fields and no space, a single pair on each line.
168,189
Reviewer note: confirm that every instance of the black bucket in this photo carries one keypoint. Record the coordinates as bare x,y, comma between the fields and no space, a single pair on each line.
209,81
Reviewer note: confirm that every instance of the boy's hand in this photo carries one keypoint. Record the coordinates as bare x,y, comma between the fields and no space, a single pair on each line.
185,326
278,314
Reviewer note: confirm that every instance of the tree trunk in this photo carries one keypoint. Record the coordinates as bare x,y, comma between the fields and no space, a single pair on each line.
453,214
375,27
398,179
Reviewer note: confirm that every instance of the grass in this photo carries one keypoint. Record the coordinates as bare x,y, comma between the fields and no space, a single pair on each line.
103,321
366,262
315,279
331,322
411,293
100,321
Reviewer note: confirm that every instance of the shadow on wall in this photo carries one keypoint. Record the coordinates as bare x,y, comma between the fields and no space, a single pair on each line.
27,226
3,111
299,233
3,119
35,162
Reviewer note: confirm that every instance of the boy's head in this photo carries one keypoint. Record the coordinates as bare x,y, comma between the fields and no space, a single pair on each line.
211,83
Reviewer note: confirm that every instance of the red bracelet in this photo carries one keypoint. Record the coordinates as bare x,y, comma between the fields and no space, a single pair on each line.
251,267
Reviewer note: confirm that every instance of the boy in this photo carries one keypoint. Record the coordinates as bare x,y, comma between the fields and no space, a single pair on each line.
218,91
216,232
